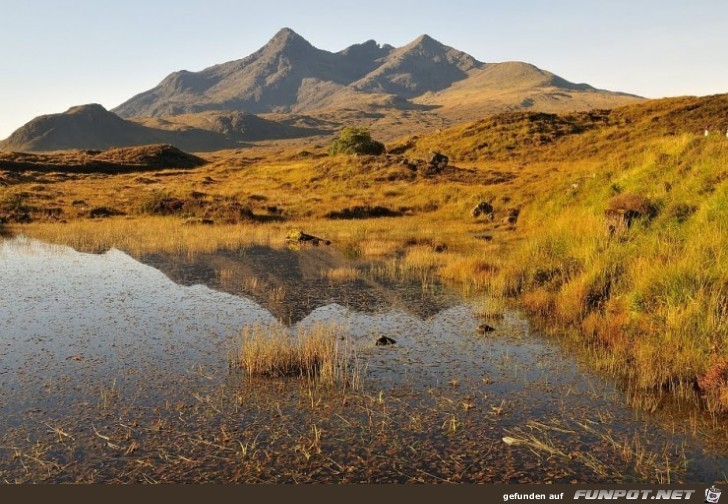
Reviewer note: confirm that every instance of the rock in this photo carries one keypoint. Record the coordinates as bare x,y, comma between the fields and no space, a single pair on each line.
434,166
439,160
384,341
485,329
482,208
298,236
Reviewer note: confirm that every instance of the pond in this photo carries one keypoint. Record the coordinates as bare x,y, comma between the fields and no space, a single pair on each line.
118,369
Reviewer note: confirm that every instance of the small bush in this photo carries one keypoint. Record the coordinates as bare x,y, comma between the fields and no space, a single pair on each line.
356,141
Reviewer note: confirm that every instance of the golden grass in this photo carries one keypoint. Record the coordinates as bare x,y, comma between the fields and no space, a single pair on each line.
492,308
650,300
342,274
319,354
152,234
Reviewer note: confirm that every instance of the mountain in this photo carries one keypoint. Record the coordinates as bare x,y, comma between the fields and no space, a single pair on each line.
424,85
94,127
289,75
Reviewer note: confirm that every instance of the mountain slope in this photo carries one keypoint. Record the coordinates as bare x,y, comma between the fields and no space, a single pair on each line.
234,126
515,85
288,74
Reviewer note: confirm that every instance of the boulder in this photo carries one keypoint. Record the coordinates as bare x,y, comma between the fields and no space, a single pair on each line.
439,160
484,329
482,208
298,236
384,341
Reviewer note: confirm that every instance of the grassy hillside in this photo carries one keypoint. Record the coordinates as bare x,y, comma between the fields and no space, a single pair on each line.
626,239
651,291
608,224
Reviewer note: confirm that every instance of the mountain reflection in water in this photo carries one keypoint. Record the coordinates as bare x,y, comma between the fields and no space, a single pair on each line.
292,283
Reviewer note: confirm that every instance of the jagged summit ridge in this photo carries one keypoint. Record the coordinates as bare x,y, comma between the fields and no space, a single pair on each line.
289,74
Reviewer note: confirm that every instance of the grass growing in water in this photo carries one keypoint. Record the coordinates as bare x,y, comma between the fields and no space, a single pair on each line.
319,354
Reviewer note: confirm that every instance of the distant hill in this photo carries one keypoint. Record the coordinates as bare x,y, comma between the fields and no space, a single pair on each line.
94,127
289,75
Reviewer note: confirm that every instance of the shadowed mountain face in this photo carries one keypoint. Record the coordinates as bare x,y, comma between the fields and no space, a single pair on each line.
94,127
288,74
424,65
287,71
291,284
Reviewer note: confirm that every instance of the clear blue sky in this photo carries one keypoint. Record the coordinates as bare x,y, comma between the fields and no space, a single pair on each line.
59,53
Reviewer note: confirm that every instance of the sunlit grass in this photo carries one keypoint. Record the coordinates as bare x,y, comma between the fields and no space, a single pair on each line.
319,354
650,299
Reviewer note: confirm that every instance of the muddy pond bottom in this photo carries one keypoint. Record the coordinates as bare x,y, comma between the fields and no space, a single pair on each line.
118,369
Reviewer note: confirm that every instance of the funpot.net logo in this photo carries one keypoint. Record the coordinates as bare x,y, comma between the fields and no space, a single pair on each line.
712,495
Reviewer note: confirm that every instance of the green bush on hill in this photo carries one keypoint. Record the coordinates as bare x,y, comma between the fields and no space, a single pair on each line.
356,141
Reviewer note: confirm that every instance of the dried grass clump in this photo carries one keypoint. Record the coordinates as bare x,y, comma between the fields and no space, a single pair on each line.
318,354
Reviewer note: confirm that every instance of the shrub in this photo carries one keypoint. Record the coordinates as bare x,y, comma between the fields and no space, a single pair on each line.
356,141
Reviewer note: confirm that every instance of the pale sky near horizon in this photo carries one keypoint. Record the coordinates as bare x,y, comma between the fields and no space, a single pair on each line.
56,54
